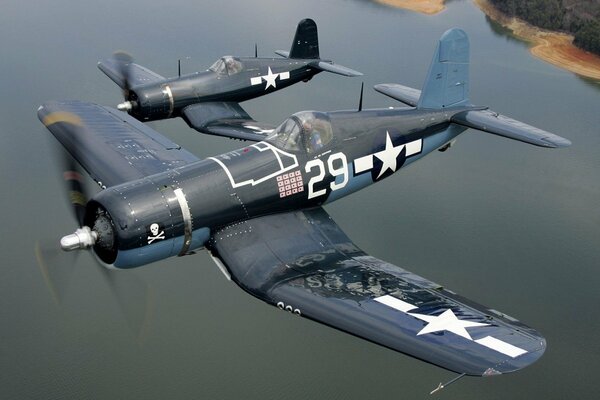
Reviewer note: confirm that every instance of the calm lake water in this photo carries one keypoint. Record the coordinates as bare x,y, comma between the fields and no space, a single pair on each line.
509,225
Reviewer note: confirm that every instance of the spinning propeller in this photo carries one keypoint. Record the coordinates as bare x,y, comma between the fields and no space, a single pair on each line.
123,62
132,294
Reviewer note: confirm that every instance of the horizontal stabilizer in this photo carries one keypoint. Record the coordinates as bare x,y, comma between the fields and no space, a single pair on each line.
401,93
283,53
492,122
138,75
226,119
335,68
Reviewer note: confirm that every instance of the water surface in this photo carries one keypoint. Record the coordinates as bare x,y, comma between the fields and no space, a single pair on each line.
509,225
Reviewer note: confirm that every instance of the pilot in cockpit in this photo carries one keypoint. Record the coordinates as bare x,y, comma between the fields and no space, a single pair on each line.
233,65
313,137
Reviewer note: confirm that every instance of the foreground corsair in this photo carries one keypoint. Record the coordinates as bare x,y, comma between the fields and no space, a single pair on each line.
258,211
203,97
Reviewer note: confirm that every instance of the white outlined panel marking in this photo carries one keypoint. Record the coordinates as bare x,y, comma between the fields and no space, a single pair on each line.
291,163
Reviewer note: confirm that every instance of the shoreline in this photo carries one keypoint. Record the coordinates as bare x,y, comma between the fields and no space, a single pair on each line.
429,7
553,47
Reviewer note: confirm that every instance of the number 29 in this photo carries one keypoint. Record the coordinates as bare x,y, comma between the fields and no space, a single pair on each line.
341,169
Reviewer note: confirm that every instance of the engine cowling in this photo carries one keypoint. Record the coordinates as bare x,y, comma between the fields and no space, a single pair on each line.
150,102
142,222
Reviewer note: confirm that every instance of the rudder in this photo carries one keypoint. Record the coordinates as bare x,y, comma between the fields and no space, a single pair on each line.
306,41
447,82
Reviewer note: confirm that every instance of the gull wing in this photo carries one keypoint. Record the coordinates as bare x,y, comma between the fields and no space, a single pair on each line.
110,145
302,262
225,119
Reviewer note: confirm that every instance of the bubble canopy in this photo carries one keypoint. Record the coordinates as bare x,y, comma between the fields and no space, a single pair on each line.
227,65
306,131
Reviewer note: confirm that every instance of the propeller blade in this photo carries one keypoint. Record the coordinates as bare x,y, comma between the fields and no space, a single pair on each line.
76,190
360,101
124,61
134,297
56,268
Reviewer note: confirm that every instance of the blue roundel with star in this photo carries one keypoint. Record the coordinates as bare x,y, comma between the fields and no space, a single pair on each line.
390,155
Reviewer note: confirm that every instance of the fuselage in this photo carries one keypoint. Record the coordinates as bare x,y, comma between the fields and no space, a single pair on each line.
230,79
175,212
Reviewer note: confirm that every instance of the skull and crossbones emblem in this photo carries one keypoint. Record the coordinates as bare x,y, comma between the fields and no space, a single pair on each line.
155,233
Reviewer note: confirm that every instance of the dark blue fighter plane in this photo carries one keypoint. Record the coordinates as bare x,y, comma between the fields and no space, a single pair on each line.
203,97
259,213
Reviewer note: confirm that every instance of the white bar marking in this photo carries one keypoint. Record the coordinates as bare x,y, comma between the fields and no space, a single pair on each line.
501,346
256,81
414,147
395,303
284,75
363,164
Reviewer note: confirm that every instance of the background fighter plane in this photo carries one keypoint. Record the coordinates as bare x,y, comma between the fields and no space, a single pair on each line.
258,211
203,97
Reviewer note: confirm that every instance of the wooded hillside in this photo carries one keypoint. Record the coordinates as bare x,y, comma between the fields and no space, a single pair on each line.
578,17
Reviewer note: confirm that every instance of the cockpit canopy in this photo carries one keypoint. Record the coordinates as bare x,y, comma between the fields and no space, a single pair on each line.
304,131
227,65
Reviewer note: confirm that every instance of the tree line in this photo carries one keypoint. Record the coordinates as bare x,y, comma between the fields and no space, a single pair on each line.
578,18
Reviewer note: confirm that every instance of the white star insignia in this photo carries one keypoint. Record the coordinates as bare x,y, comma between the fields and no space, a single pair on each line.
446,321
270,79
388,155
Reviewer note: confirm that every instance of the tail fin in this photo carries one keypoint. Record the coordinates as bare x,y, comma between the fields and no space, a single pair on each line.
306,46
447,83
306,40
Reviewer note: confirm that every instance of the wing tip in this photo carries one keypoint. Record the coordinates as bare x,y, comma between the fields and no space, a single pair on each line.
557,142
517,361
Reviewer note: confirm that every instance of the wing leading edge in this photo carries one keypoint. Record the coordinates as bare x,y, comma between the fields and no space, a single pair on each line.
110,145
303,262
